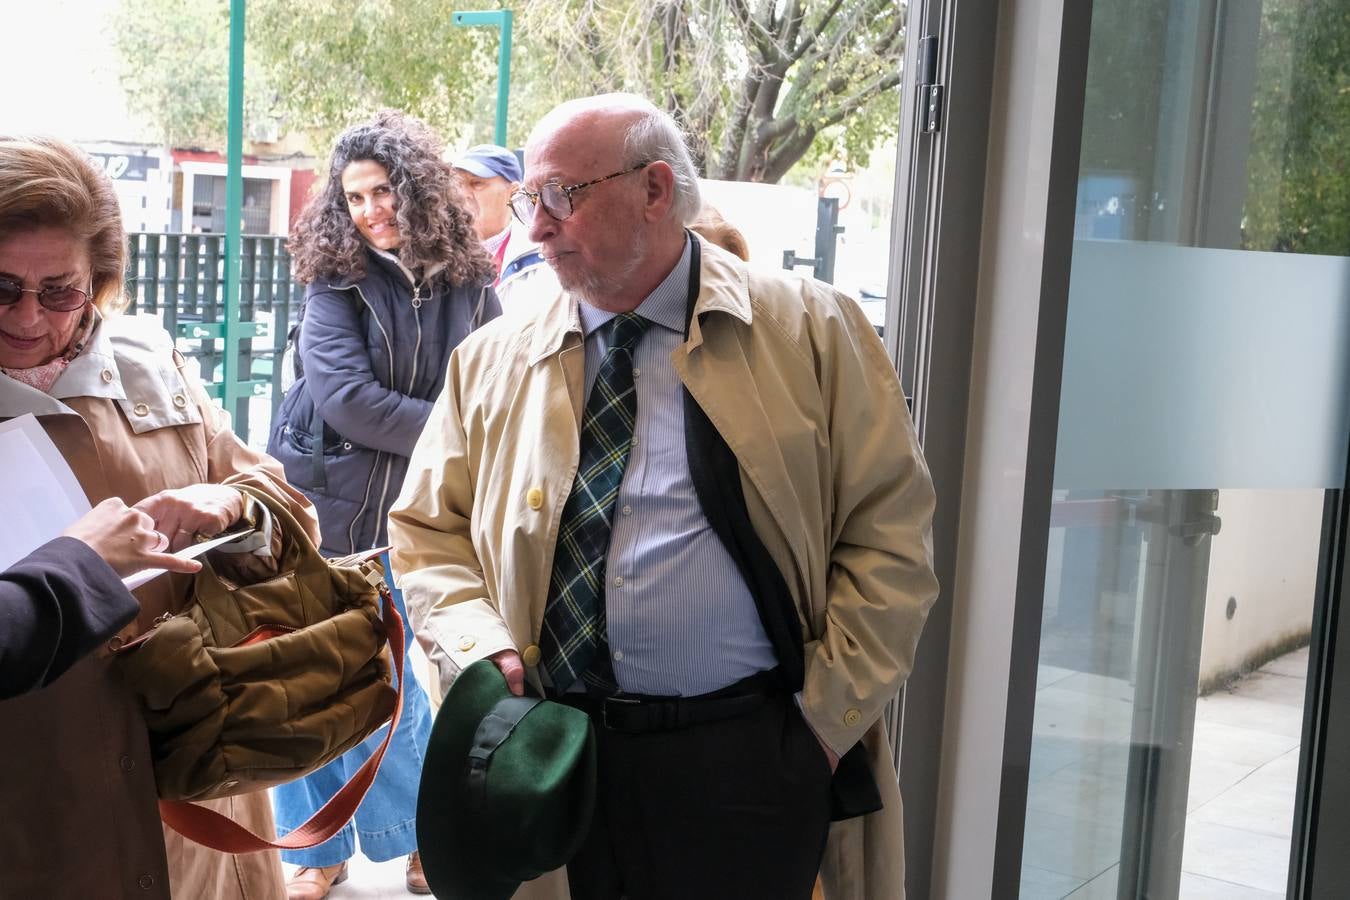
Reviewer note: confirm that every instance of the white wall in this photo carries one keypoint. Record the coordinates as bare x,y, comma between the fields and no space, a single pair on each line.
1265,556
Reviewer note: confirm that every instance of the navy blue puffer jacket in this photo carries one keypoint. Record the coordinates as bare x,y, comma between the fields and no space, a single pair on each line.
374,354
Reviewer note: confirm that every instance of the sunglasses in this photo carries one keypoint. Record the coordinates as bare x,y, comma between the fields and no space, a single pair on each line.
56,299
556,199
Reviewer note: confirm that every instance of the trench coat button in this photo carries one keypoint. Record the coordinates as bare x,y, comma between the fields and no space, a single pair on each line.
179,401
534,498
466,642
126,763
141,409
530,656
852,717
146,882
106,375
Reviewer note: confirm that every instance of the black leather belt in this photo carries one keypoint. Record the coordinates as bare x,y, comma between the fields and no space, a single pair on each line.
638,714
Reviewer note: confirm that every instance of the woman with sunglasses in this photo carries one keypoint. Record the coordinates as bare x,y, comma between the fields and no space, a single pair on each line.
78,808
396,279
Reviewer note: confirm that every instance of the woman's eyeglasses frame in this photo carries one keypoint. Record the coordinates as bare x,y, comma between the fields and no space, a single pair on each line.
11,292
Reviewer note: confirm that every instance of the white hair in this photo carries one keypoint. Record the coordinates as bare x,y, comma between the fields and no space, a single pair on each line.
654,137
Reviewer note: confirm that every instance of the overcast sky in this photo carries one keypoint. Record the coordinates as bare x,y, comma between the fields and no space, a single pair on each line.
61,71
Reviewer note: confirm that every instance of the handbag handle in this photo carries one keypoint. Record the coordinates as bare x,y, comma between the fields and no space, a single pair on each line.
298,553
302,555
219,832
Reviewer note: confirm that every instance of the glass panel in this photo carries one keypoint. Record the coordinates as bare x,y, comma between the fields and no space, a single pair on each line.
1205,413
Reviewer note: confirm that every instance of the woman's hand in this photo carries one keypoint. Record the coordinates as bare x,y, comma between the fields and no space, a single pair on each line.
126,539
181,513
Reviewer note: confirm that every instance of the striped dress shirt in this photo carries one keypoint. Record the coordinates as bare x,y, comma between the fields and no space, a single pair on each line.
681,620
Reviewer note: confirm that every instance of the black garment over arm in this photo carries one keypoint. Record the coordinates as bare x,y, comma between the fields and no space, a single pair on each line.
56,604
717,483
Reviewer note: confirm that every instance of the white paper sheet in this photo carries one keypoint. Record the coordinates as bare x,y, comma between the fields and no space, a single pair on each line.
39,494
192,551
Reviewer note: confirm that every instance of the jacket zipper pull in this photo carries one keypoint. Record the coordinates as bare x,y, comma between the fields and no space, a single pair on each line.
417,298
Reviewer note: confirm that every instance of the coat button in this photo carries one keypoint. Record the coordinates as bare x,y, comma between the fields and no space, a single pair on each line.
146,882
530,656
141,409
106,375
466,642
852,717
179,401
534,498
126,763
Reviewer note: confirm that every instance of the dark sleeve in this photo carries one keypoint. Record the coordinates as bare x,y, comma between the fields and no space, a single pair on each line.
56,604
344,387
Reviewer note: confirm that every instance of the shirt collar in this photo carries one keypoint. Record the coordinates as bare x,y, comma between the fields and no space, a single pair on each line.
723,287
494,243
664,306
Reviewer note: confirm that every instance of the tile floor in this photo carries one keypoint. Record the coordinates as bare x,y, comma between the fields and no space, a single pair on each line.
1240,805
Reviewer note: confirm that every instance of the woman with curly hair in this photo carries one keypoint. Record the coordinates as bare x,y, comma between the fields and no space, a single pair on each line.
396,278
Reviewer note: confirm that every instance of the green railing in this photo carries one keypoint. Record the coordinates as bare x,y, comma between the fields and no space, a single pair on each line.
181,278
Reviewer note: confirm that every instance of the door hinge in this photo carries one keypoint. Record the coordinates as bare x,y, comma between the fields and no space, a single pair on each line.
930,91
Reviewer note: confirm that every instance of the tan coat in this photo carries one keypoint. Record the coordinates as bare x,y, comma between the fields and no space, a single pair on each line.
793,377
78,814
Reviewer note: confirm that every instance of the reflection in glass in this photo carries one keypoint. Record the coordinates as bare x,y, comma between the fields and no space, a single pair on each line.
1204,414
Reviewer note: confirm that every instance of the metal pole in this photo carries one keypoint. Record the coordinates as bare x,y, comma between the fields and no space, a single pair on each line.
500,19
234,202
503,76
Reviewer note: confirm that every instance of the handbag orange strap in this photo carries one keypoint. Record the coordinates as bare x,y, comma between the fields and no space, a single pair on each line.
211,829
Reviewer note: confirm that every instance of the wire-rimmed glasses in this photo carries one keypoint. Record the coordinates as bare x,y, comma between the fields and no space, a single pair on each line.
556,199
66,298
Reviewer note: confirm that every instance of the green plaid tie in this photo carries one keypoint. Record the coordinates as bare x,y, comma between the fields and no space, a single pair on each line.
574,641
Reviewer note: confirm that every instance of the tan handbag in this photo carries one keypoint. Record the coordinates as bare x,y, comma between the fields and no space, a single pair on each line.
255,685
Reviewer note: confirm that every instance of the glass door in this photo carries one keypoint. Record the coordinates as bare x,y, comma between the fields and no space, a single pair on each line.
1203,425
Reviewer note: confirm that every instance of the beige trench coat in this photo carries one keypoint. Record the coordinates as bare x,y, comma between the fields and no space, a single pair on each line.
78,814
794,378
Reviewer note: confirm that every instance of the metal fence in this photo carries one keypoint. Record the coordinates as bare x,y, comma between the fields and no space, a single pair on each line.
181,278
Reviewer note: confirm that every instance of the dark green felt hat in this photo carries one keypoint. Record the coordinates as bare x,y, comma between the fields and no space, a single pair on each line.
508,788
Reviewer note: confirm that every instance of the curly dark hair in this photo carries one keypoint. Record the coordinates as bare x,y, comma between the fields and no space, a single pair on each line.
436,227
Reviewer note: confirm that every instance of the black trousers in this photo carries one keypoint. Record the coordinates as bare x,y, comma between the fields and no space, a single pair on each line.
737,808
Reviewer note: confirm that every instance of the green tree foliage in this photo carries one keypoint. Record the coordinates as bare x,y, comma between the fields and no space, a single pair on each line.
760,84
1299,176
175,68
337,61
314,66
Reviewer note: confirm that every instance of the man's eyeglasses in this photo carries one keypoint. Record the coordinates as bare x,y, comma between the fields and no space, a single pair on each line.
57,299
555,198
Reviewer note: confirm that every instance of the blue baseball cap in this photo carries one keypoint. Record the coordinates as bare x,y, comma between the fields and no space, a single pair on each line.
490,161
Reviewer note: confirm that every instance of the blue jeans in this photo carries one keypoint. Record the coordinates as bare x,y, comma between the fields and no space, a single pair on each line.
386,820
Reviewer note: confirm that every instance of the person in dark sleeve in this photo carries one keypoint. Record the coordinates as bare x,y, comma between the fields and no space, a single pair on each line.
66,598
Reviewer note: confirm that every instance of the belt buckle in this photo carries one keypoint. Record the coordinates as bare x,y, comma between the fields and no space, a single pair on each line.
605,707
